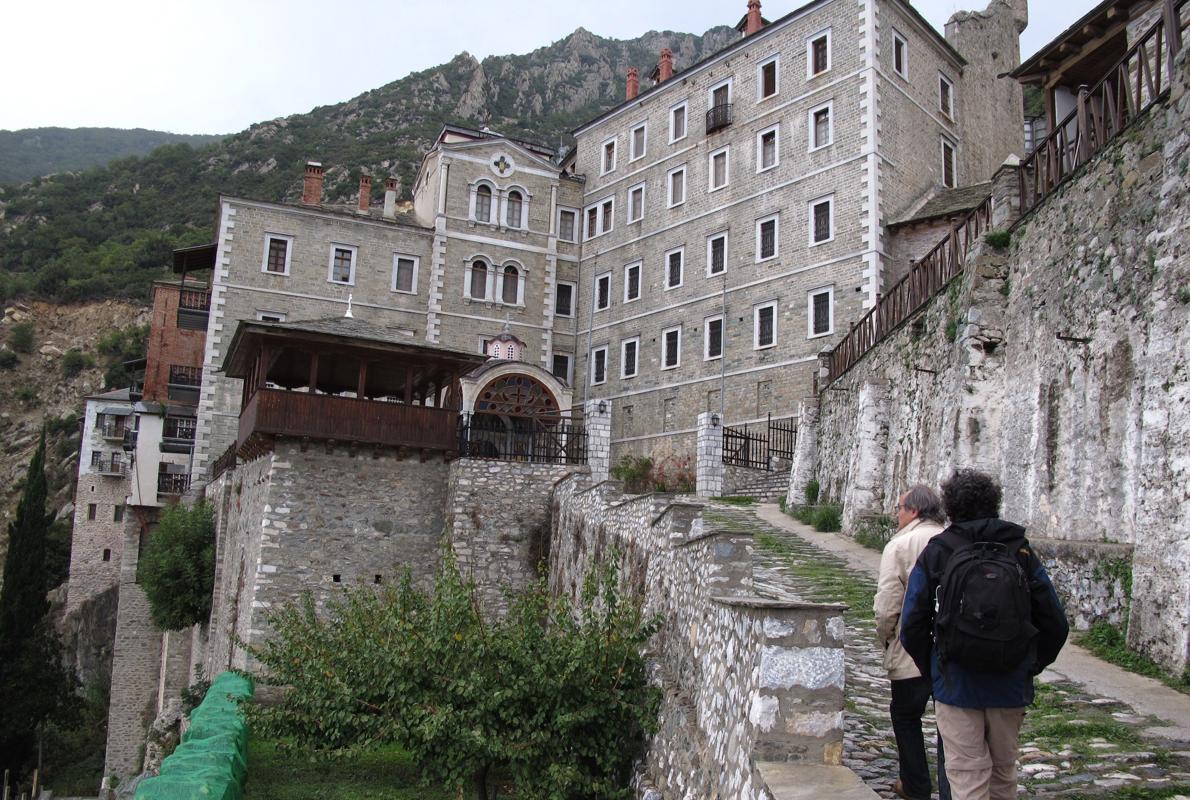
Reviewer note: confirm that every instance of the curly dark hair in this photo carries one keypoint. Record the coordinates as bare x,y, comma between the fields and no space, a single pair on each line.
971,494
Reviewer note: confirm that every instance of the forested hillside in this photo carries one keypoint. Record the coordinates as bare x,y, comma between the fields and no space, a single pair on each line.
108,231
32,152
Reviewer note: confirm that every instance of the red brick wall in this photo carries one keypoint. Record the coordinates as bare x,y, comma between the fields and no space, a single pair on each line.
169,344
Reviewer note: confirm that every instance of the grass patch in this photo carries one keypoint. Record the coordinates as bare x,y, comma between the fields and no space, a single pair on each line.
827,579
998,239
737,500
875,532
386,773
1109,643
1137,793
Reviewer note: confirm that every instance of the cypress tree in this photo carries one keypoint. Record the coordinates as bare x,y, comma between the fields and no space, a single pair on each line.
22,597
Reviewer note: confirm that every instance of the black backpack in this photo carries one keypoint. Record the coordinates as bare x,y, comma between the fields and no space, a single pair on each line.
983,618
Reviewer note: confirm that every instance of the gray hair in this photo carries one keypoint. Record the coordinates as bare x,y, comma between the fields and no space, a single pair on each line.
925,501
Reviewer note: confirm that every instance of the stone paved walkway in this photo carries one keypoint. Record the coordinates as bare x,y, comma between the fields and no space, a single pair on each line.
1075,744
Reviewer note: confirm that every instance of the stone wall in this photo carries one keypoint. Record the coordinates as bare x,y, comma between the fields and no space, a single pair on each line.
745,678
1093,579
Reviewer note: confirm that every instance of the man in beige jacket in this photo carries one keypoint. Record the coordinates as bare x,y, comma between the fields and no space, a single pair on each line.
919,518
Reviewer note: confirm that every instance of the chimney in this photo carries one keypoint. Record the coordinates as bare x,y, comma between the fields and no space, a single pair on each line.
390,198
633,88
754,22
312,184
365,193
666,67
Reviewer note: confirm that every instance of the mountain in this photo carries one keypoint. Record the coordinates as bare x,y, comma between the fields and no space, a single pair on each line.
31,152
108,231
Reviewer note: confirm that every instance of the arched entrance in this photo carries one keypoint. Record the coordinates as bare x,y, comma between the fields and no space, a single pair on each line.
516,418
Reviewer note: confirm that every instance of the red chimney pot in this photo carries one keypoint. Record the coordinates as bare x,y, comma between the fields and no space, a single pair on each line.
754,22
666,67
365,192
633,87
312,184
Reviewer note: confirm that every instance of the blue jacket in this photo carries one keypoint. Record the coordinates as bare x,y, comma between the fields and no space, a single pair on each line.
953,684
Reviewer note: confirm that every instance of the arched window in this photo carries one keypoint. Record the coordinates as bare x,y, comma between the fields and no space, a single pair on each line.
479,279
483,203
513,216
509,292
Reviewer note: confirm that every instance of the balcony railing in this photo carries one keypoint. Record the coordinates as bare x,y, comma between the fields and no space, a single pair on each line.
172,483
718,117
177,435
556,441
113,430
130,440
112,466
185,376
193,309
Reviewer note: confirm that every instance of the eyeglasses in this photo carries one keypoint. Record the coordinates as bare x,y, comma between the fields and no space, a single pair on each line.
899,508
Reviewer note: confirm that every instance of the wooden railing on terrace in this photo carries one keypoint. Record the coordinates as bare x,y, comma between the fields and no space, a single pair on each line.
1137,81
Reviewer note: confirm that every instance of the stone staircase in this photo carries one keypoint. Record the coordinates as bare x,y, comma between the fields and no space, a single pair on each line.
767,487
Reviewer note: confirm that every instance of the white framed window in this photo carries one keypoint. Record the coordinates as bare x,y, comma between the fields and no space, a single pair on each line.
512,285
945,96
671,347
716,254
675,267
768,148
677,122
900,55
638,141
341,267
719,94
270,316
949,178
561,365
675,181
822,220
629,352
482,205
636,203
818,53
599,365
607,158
600,217
821,126
478,285
278,250
603,291
820,312
514,209
564,297
718,168
568,224
632,281
764,325
768,237
405,269
768,76
712,338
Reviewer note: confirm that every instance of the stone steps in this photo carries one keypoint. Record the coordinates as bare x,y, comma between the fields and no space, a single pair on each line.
766,489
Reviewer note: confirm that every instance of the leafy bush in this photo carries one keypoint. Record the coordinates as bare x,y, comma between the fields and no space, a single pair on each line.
177,569
8,358
827,518
635,472
640,475
804,514
194,694
998,239
811,491
20,337
75,361
874,532
26,395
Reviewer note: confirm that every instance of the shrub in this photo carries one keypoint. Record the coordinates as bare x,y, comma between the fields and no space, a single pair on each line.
75,361
177,569
998,239
640,475
8,358
193,695
27,396
635,472
811,491
874,532
827,518
20,337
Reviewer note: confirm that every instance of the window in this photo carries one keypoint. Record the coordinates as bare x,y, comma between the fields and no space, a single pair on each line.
599,365
566,222
717,254
677,123
276,253
342,266
603,291
636,203
600,217
764,326
513,208
820,313
674,262
767,153
677,186
671,348
820,126
900,55
483,203
638,141
477,285
945,96
592,222
270,316
632,282
767,237
609,157
628,350
766,79
822,220
92,508
564,299
948,172
107,554
818,54
510,286
717,169
721,94
560,368
405,273
712,338
118,514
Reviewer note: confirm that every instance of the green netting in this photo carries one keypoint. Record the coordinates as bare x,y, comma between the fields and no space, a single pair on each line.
212,760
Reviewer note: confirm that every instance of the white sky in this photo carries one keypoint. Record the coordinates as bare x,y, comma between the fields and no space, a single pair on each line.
216,66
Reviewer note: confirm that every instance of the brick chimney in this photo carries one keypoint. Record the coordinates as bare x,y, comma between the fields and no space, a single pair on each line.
665,69
633,87
390,198
312,184
754,22
365,193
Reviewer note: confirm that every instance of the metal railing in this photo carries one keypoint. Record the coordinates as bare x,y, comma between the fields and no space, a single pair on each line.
719,117
113,428
756,446
172,483
194,300
180,375
224,462
130,438
180,428
552,441
113,465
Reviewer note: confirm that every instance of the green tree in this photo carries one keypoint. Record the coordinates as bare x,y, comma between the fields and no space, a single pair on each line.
177,569
20,337
553,696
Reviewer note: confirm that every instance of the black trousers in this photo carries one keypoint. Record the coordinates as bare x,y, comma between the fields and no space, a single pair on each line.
909,698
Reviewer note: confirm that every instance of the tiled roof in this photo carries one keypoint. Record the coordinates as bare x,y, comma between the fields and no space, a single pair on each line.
949,202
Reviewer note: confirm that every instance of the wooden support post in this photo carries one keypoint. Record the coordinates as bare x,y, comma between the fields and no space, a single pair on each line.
363,379
1082,141
313,373
1173,36
408,385
263,367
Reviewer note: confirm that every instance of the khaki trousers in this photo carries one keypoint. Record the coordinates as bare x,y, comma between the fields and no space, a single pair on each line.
982,745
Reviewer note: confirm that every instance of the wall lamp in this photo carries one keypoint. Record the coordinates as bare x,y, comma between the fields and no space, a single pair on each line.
602,407
714,420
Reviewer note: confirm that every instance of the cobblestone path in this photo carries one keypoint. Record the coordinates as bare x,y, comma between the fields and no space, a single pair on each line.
1074,745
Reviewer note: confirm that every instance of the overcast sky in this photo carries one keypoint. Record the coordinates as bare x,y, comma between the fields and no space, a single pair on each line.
217,66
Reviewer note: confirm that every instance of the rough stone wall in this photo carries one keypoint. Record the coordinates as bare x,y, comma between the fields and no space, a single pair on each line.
1093,579
744,678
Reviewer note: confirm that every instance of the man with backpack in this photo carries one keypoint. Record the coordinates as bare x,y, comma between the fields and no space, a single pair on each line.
981,618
